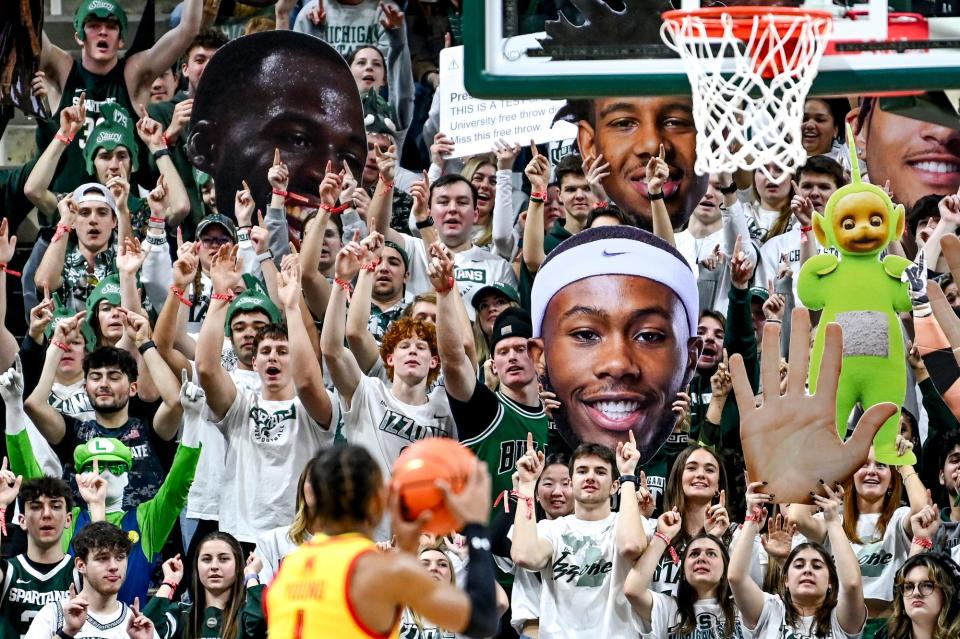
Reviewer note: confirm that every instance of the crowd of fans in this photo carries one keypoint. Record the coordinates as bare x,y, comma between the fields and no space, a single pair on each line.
212,378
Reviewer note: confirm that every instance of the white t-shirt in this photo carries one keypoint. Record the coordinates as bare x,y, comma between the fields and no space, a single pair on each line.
384,425
112,626
272,548
203,500
881,557
773,624
72,400
525,595
474,268
695,249
268,445
710,621
582,593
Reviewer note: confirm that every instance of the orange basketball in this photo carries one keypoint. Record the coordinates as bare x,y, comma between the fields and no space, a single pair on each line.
415,474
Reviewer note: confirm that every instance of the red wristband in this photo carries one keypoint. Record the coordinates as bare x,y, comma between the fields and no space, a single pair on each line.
283,194
370,266
158,220
345,285
8,271
63,138
803,233
166,140
673,551
62,229
227,297
600,204
3,520
506,502
181,295
335,209
539,195
387,184
63,347
923,542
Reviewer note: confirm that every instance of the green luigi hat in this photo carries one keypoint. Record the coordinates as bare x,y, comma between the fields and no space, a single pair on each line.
497,287
253,299
115,129
104,450
378,115
61,312
100,9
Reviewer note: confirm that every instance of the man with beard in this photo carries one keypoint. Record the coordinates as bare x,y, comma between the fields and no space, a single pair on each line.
614,315
299,98
110,379
102,552
389,289
494,425
583,558
628,132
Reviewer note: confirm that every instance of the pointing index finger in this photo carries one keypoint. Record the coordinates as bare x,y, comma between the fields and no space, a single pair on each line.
533,148
529,442
96,467
276,156
663,153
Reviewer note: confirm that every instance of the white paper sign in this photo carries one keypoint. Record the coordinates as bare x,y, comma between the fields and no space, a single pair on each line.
476,124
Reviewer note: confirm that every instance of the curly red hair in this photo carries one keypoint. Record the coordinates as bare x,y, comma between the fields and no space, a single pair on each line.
407,328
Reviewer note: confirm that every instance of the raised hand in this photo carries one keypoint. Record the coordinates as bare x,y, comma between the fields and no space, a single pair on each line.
226,269
41,315
372,246
538,170
120,189
949,207
349,184
8,245
173,569
157,199
721,383
778,541
317,14
180,120
681,406
668,524
74,611
131,255
926,522
137,326
714,260
627,455
73,118
800,206
192,396
150,131
185,268
791,441
530,465
386,162
596,169
657,172
279,174
253,566
741,268
66,327
348,263
775,305
440,268
718,520
757,498
140,626
506,153
442,148
67,209
331,185
288,283
550,402
93,487
832,503
243,205
9,485
645,497
392,16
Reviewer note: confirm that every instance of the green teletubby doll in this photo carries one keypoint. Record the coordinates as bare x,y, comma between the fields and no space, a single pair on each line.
863,294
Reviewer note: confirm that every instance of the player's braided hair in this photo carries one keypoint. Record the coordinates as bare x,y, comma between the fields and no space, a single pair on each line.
345,479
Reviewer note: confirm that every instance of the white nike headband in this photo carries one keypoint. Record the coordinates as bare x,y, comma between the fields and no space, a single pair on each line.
614,256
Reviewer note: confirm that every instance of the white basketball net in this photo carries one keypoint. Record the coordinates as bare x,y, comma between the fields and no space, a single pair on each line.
745,120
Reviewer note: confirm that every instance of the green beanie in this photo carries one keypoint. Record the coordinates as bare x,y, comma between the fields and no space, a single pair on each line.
100,9
61,312
116,129
378,115
253,299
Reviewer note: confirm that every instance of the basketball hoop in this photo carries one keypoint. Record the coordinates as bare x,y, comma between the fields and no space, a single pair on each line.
750,69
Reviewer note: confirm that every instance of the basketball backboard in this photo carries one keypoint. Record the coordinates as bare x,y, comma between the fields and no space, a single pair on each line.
509,52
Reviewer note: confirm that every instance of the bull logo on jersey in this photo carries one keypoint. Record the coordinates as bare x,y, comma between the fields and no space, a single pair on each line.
269,427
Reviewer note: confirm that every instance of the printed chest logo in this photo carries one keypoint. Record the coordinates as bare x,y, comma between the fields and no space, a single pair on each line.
474,275
269,427
510,452
709,626
406,428
581,562
873,559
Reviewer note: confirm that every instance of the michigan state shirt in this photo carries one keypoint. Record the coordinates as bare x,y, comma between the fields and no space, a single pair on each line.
106,626
28,586
710,622
773,624
268,445
582,594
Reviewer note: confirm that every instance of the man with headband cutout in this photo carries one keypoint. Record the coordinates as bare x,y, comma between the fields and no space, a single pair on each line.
615,313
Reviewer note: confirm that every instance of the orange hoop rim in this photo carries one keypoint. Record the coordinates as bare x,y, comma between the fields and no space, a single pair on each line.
744,16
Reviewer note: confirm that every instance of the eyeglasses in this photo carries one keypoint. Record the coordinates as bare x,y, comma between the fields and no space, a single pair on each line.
214,242
924,588
115,468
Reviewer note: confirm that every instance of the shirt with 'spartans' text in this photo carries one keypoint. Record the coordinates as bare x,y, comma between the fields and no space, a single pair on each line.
582,597
28,586
665,619
773,624
98,626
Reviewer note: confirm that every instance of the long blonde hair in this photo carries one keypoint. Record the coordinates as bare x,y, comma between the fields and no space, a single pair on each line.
471,167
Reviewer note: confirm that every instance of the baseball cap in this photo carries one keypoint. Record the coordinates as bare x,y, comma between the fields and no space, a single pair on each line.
399,249
94,192
222,221
760,293
102,449
512,322
100,9
497,287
